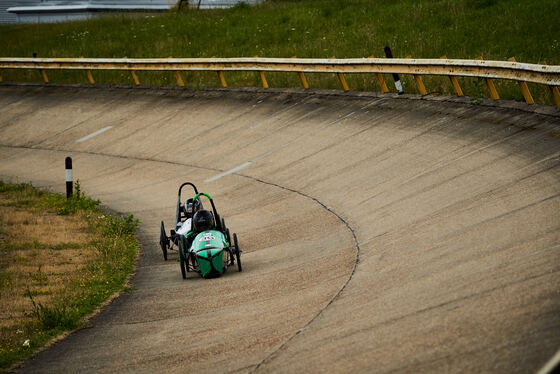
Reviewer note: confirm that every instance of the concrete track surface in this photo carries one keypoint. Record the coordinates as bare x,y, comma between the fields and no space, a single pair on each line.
451,207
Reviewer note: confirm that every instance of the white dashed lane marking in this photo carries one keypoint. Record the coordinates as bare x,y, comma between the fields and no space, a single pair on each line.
231,171
94,134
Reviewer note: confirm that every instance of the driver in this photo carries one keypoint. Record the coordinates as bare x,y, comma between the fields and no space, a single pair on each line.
203,220
190,208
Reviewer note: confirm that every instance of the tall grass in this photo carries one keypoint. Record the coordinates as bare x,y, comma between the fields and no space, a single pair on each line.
494,29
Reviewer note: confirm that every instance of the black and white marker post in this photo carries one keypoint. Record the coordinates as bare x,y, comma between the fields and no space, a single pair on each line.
396,78
69,185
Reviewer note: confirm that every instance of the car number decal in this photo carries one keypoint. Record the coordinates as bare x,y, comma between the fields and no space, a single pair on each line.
207,237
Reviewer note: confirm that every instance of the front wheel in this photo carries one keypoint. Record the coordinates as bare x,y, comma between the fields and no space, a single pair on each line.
183,264
163,241
237,252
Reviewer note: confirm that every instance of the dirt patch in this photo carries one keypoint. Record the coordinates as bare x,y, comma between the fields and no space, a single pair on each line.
41,253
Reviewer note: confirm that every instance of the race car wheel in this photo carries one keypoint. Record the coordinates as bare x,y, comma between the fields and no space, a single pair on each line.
163,241
184,265
228,237
230,250
223,225
237,252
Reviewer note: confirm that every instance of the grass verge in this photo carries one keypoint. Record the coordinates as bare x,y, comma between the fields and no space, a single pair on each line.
462,29
59,260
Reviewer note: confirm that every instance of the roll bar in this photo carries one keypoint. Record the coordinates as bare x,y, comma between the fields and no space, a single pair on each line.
178,212
216,216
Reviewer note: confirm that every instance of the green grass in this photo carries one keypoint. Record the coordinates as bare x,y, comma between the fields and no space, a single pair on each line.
466,29
112,247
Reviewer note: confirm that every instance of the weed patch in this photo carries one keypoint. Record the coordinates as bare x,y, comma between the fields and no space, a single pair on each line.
60,258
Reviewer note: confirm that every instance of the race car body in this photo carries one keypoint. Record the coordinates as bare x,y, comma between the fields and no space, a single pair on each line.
210,250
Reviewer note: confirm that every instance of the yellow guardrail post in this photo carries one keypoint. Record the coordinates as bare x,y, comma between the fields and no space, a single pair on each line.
384,88
179,79
419,82
44,74
302,78
135,78
89,75
524,88
343,82
454,82
263,78
222,78
493,92
553,89
555,95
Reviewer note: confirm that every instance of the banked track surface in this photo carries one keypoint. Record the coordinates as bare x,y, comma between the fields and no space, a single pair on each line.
454,207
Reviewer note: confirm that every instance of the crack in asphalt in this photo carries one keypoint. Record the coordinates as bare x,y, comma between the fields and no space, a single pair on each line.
323,206
331,301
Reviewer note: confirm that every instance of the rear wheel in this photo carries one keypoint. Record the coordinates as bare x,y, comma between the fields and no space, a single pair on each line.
223,225
228,238
183,264
237,252
163,241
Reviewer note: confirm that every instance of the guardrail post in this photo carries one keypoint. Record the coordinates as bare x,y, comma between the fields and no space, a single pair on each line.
555,95
222,79
454,82
136,80
524,88
176,73
179,79
554,90
263,78
419,82
493,92
302,78
90,76
343,82
44,74
381,81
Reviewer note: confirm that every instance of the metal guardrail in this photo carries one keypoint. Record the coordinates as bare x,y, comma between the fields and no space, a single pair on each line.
523,73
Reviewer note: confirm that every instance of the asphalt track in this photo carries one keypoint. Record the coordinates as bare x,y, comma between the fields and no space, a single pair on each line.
380,233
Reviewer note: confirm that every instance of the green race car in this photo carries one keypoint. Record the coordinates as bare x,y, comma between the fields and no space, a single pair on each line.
203,240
